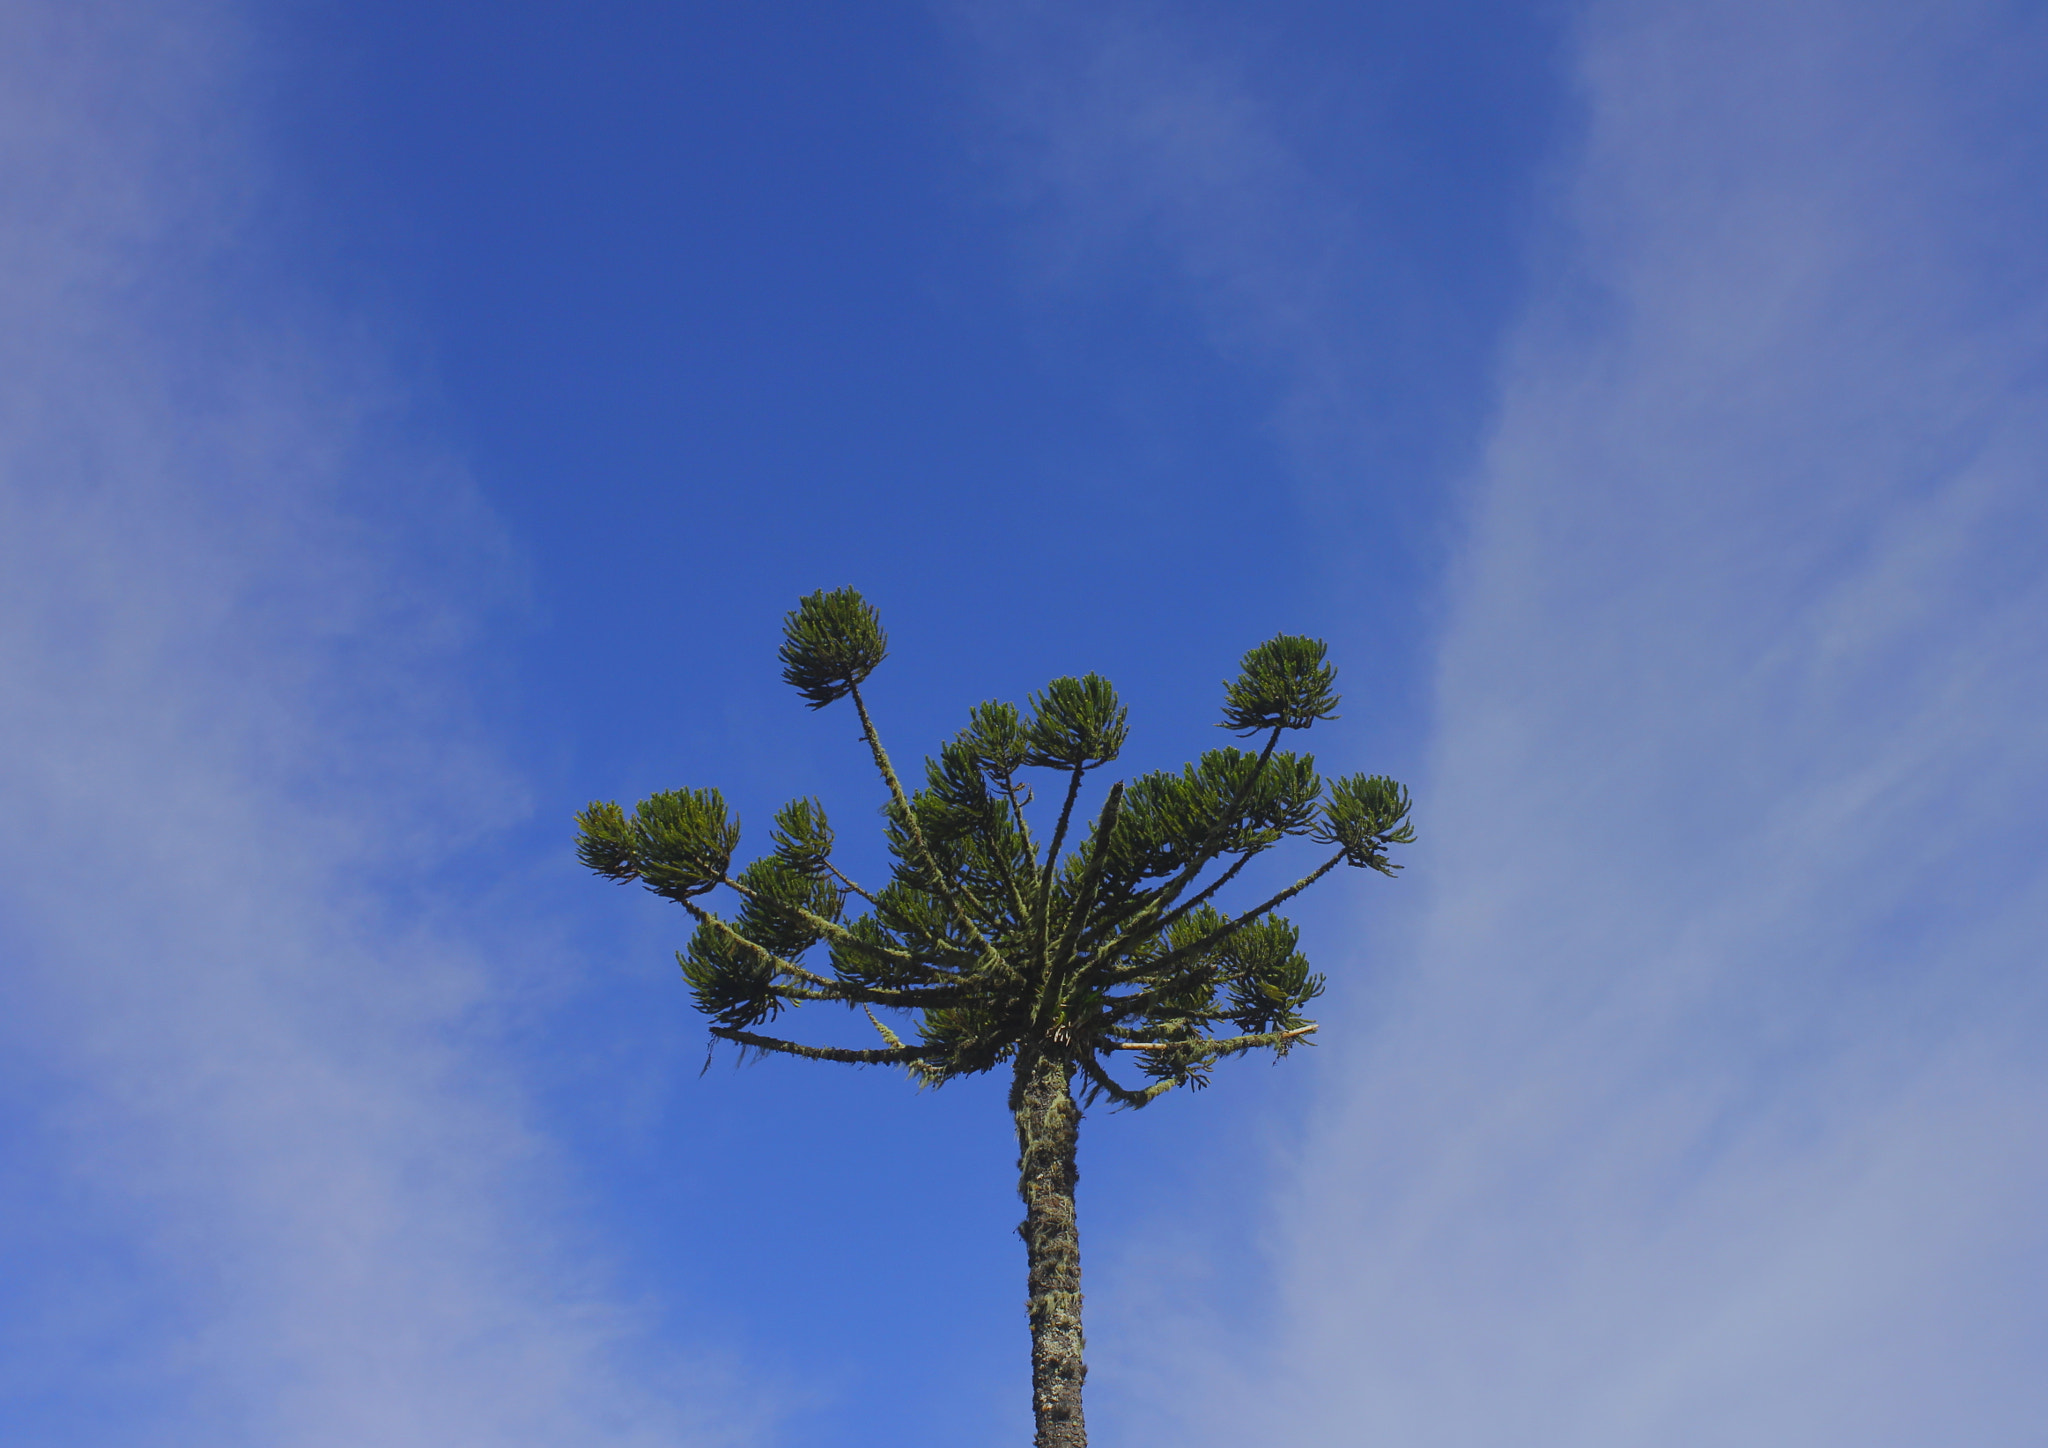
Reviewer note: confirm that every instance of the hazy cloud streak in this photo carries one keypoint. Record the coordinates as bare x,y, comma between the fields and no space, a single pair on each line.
269,1180
1714,1111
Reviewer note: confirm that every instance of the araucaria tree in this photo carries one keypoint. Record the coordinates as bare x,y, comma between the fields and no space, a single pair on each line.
994,948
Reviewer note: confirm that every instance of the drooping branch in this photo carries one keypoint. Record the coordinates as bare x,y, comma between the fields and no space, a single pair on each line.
895,1041
1122,1095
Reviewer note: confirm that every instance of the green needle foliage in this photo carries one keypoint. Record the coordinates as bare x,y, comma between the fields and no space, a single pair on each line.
1063,960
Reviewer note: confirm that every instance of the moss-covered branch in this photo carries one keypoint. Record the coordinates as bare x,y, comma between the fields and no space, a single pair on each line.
895,1056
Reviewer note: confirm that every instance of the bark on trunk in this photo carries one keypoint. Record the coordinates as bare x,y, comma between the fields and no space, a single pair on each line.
1048,1127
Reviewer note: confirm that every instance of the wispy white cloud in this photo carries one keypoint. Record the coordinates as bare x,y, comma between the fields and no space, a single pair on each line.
1713,1112
270,1178
1710,1109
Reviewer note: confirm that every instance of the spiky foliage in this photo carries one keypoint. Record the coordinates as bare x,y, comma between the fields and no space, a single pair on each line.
1067,956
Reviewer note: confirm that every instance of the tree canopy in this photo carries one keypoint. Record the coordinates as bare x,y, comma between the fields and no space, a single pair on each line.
992,938
1070,959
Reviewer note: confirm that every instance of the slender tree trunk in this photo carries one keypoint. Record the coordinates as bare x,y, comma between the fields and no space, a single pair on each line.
1048,1127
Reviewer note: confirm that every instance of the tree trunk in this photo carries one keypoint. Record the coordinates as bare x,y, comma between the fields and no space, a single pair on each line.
1048,1127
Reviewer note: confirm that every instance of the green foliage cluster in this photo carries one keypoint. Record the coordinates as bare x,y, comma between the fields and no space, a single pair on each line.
1103,940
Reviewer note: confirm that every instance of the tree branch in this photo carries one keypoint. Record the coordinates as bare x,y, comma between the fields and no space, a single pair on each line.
1210,848
851,888
1052,856
1147,1002
1164,896
824,987
1229,928
1051,987
1129,939
1005,865
895,1041
931,969
1010,790
1120,1094
831,929
1216,1050
906,1000
940,880
896,1056
1207,892
760,952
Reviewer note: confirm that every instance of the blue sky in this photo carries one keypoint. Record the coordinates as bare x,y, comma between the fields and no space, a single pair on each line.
416,420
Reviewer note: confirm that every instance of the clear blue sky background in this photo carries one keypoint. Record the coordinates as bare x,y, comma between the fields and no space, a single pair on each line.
416,419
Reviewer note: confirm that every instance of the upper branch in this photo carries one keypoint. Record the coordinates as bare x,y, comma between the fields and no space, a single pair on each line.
1212,844
1053,985
1114,932
945,887
851,888
1227,929
1155,912
1052,856
1011,789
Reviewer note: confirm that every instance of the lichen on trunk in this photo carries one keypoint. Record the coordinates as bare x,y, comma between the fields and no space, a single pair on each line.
1048,1130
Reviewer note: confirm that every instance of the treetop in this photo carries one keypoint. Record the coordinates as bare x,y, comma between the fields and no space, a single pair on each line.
831,642
986,940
